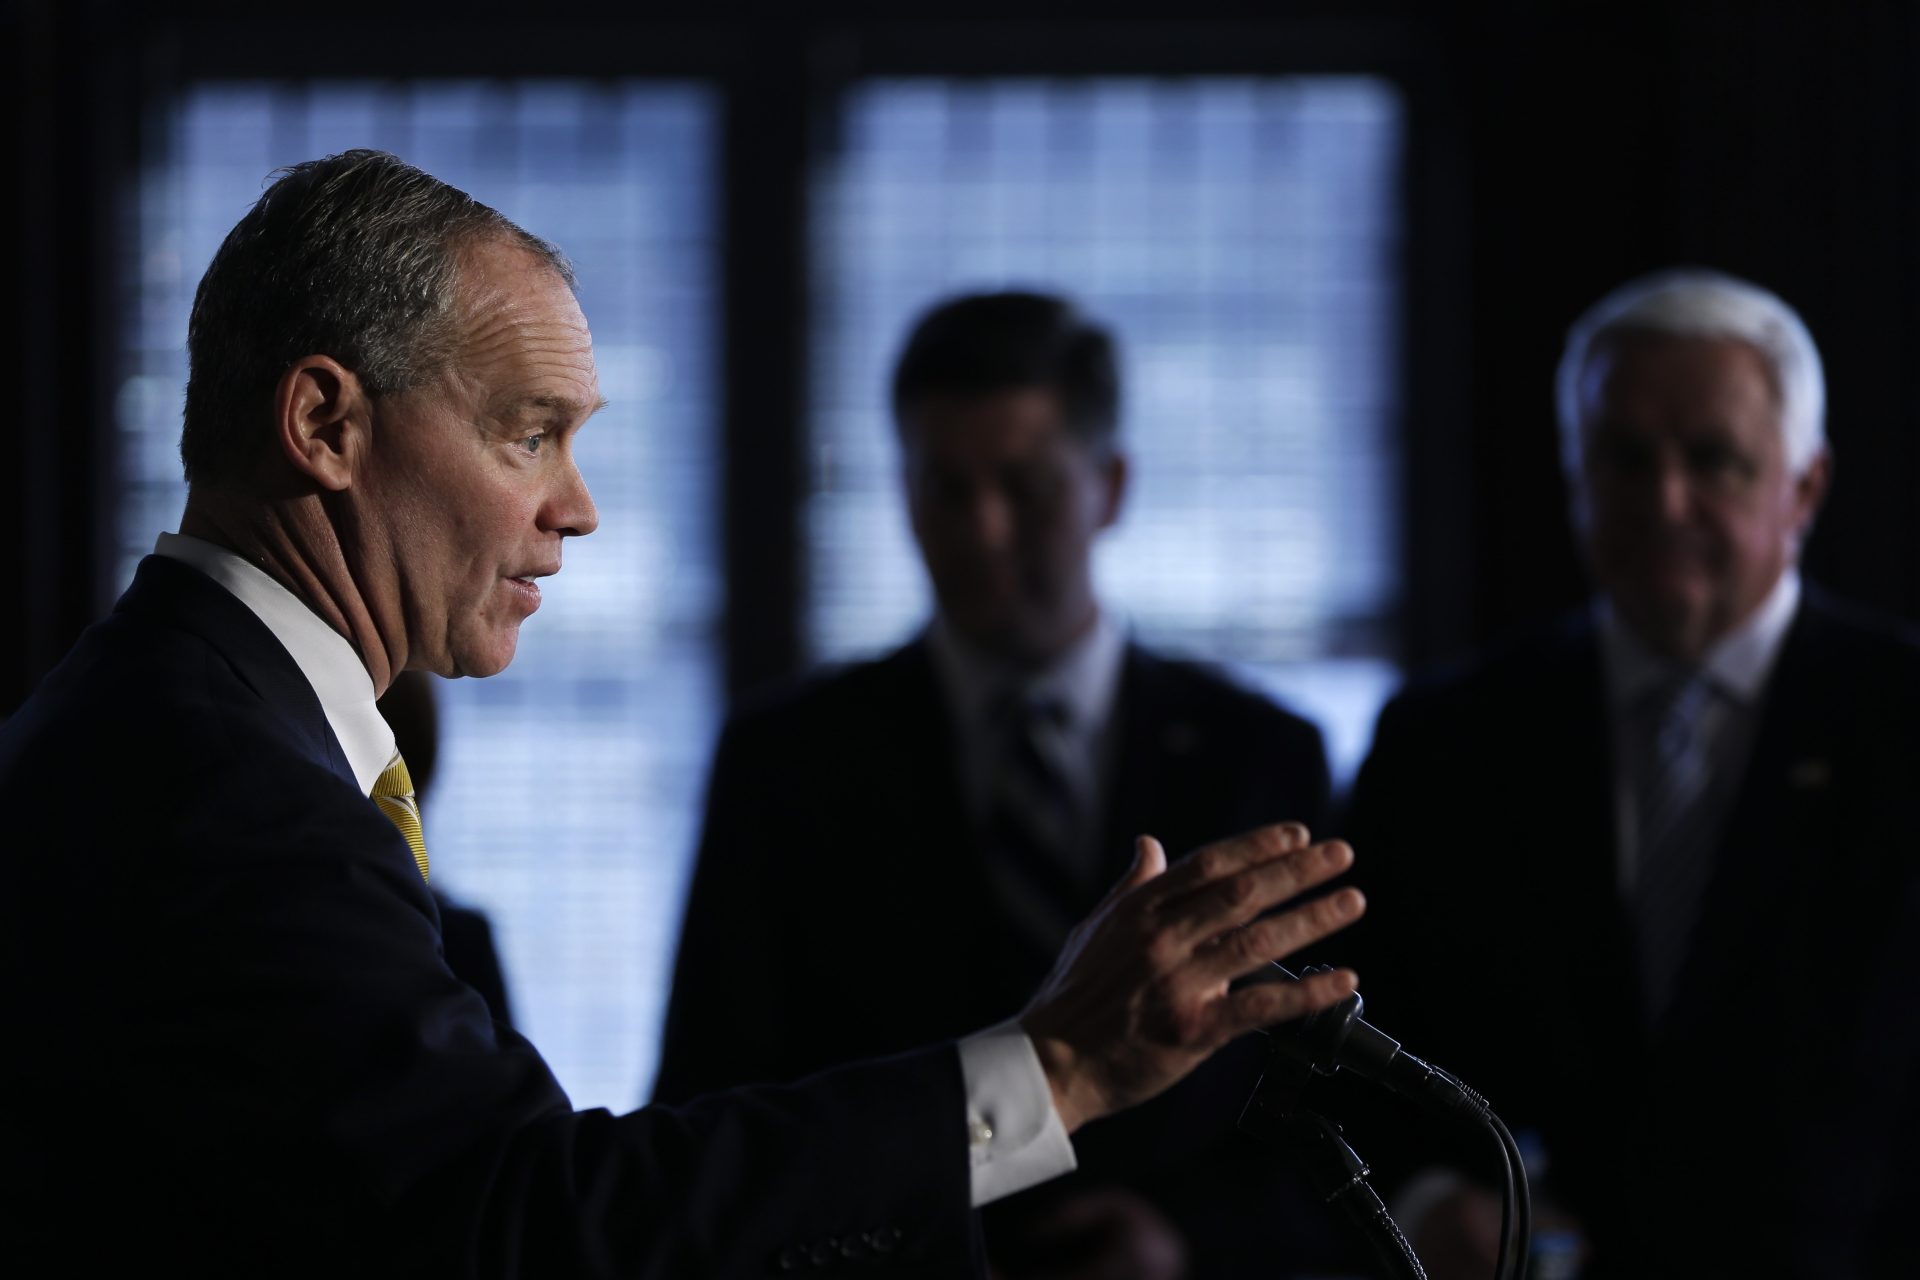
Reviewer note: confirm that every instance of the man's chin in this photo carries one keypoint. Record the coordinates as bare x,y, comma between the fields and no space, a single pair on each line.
1673,625
1013,644
989,635
490,659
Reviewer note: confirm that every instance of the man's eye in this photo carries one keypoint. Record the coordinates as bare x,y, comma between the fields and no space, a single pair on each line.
1031,486
532,443
1718,461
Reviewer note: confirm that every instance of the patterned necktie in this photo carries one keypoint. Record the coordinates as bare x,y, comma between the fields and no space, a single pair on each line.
1032,829
1676,839
393,792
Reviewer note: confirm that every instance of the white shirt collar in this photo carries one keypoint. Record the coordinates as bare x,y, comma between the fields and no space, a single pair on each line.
1737,666
329,663
1084,678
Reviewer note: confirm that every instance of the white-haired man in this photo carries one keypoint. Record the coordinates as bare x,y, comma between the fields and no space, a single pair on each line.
1704,891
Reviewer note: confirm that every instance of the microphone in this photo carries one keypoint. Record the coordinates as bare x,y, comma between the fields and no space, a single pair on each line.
1337,1037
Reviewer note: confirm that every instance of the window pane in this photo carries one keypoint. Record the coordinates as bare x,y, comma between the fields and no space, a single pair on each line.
569,785
1242,238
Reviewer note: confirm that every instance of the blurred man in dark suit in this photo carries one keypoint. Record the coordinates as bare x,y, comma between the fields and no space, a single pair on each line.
233,1044
1701,901
965,797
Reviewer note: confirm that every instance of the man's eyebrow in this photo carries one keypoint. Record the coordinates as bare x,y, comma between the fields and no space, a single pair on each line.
554,404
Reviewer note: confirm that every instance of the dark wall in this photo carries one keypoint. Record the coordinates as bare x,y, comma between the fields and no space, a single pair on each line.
1552,156
59,145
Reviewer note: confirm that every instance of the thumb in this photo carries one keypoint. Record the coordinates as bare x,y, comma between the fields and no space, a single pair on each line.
1149,860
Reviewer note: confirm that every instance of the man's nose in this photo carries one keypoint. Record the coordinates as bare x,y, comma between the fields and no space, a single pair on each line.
990,521
571,511
1672,496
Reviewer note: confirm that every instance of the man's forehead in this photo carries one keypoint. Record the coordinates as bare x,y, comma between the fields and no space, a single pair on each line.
525,334
495,258
1675,366
505,283
540,314
1013,417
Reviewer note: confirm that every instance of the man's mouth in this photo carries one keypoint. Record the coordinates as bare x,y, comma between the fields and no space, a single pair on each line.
545,571
529,590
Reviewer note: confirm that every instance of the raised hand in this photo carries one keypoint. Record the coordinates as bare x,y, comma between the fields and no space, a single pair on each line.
1140,995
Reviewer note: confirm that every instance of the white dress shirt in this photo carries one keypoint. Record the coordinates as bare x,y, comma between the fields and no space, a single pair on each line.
1736,670
324,656
1015,1138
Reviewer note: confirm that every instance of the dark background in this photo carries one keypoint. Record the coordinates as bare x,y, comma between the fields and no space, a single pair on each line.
1552,153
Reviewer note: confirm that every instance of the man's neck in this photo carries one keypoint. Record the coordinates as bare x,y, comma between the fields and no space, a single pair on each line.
295,544
1084,671
1739,659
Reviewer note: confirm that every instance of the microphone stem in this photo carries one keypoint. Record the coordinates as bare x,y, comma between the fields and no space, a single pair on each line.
1341,1176
1389,1244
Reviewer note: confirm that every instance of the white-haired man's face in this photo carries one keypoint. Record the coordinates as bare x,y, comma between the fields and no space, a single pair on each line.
1692,514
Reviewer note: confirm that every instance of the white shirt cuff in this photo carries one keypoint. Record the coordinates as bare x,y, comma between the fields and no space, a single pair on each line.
1014,1136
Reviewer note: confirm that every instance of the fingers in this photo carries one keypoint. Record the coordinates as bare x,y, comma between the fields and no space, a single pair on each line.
1263,1004
1245,950
1225,858
1227,902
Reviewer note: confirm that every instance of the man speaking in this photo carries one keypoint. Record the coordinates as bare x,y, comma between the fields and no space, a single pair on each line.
235,1047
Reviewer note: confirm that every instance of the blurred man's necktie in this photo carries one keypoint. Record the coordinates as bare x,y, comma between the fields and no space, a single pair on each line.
1032,834
1675,854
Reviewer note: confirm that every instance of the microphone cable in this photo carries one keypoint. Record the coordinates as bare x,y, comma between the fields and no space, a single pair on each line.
1516,1200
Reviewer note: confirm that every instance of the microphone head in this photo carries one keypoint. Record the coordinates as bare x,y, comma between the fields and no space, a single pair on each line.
1321,1043
1318,1041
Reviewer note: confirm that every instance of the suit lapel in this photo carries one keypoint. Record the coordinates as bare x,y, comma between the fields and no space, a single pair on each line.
927,850
1565,779
1779,825
1152,746
177,595
917,771
915,754
1569,899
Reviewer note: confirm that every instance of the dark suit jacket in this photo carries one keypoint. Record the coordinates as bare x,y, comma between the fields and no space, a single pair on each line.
233,1046
466,943
1766,1125
840,906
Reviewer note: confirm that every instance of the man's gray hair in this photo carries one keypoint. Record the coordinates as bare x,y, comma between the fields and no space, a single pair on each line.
355,256
1692,302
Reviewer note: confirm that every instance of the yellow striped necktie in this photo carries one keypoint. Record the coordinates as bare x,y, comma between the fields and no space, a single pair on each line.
393,792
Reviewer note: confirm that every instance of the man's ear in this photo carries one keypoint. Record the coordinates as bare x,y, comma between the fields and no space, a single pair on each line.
1115,472
1809,491
321,415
